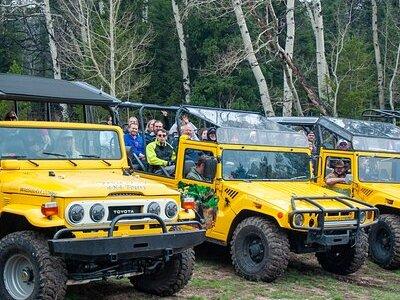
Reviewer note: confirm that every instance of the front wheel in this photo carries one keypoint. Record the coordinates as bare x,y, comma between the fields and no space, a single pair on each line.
168,278
345,259
384,242
28,271
259,249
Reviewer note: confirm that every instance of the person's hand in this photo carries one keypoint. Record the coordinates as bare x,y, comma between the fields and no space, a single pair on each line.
348,179
164,113
141,156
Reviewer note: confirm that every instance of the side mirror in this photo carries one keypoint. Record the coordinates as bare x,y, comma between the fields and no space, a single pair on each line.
10,164
348,179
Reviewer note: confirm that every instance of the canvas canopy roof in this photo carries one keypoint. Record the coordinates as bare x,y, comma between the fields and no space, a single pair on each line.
39,89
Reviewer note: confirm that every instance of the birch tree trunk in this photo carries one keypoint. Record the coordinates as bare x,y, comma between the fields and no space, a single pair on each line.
317,22
378,59
182,47
252,59
52,42
391,83
112,20
289,45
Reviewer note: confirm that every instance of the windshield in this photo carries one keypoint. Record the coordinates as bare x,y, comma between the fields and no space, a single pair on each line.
379,169
287,138
50,143
263,165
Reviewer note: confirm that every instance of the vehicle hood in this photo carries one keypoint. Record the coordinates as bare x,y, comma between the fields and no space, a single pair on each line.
388,190
279,194
81,184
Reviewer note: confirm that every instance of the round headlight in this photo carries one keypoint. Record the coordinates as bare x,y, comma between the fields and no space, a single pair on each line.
171,209
154,208
363,216
298,220
97,212
76,213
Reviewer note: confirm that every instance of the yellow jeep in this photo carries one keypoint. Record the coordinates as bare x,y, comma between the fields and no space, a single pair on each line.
72,213
372,161
268,204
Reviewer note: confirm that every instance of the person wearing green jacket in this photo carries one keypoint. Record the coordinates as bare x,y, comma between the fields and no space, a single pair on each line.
161,154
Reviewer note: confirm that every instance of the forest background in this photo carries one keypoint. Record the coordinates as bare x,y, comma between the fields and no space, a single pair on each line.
304,57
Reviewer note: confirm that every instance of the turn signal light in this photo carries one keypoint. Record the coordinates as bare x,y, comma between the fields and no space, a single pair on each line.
49,209
188,203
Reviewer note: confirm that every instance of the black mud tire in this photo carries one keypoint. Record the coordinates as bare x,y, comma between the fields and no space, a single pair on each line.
345,259
259,250
384,242
168,279
48,273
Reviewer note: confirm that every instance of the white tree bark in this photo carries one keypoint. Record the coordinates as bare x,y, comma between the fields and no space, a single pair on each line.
289,45
392,79
252,59
314,11
112,33
145,11
182,47
52,42
378,59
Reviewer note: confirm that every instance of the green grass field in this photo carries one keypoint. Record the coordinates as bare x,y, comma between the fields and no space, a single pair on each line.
214,278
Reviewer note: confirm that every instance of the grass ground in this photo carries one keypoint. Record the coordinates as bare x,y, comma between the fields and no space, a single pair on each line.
214,278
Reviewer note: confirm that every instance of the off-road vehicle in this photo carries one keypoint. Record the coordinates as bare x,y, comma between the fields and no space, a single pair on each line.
372,158
268,204
71,212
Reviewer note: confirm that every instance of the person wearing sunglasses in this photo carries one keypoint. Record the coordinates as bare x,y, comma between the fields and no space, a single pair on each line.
161,154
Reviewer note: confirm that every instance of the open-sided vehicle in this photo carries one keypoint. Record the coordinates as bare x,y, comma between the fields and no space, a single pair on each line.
373,160
72,213
268,205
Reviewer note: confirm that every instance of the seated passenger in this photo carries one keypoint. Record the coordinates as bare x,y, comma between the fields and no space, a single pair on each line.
134,140
11,116
184,120
161,154
197,171
67,144
34,145
202,134
343,145
151,137
212,134
338,174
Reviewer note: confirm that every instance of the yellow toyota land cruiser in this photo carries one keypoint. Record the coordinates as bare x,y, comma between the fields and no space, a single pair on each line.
256,180
370,152
71,213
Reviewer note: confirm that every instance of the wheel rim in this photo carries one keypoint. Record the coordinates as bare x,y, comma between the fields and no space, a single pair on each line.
254,248
18,277
383,242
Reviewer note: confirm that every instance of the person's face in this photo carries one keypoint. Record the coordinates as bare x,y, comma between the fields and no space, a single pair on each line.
343,146
187,131
157,126
213,136
133,120
109,121
340,170
151,126
311,137
200,169
133,129
161,137
185,119
204,135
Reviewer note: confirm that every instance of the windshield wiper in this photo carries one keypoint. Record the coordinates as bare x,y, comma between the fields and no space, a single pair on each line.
33,163
96,156
13,156
54,154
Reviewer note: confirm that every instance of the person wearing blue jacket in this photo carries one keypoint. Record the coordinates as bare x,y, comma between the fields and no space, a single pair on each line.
134,140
